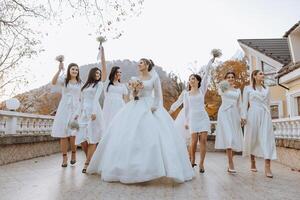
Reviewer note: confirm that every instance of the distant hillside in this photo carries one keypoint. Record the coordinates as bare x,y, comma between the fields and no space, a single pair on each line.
44,101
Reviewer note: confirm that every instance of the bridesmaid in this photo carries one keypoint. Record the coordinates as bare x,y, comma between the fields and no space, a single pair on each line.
115,94
91,119
180,119
259,139
196,117
66,112
229,134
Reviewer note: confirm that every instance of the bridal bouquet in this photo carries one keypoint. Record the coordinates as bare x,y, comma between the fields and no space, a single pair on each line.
224,85
135,85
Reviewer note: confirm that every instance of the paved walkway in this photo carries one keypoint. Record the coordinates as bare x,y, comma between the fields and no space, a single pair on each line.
43,178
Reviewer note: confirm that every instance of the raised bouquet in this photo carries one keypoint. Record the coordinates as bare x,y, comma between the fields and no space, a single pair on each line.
60,58
224,85
101,39
135,85
216,53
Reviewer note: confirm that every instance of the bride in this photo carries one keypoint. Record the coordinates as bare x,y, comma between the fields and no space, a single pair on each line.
141,143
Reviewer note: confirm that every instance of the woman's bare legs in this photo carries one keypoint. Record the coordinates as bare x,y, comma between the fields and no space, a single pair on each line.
193,147
203,142
73,149
84,146
64,150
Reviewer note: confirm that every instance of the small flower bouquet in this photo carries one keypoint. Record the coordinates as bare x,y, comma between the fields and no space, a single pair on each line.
60,58
135,85
101,40
216,53
224,85
73,125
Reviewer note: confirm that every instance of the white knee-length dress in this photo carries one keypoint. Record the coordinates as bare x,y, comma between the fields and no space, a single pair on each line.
196,116
113,101
229,133
90,130
67,109
180,119
259,139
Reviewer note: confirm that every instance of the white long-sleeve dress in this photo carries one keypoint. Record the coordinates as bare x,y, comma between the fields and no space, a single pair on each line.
196,116
229,133
140,145
90,130
180,119
67,108
113,101
259,139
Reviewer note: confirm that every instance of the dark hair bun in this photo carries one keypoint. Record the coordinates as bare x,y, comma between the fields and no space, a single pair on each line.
151,65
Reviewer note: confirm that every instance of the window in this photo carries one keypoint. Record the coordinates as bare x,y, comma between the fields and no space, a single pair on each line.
270,73
275,111
293,103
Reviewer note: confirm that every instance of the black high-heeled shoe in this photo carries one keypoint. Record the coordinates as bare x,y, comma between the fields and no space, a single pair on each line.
201,170
85,167
72,162
64,164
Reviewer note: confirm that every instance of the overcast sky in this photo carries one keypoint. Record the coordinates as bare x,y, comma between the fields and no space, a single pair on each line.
173,33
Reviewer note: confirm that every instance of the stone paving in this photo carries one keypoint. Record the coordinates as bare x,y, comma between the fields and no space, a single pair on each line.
43,179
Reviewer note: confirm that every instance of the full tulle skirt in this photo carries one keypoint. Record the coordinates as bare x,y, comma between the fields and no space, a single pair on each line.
180,126
140,146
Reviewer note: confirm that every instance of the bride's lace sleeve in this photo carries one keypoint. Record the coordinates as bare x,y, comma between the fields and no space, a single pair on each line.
157,93
97,97
186,107
178,102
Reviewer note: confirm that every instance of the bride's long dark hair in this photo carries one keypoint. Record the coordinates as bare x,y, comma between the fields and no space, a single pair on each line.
91,78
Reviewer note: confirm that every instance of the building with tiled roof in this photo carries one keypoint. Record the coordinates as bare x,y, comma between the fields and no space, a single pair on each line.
279,58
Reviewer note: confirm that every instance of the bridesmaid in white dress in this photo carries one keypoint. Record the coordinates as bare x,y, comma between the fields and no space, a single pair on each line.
180,119
67,109
229,133
197,120
91,116
259,139
115,95
142,144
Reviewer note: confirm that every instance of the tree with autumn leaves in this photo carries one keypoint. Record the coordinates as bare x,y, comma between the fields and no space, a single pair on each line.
212,98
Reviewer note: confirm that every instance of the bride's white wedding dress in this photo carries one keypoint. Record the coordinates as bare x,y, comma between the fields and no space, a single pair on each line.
139,145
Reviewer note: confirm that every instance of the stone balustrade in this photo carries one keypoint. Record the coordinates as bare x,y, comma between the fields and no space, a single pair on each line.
24,123
287,128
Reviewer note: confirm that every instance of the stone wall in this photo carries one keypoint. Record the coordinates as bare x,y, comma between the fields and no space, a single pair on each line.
15,148
288,152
